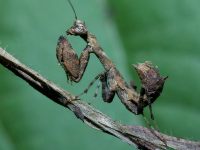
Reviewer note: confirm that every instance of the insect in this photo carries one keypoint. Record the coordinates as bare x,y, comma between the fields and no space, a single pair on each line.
111,79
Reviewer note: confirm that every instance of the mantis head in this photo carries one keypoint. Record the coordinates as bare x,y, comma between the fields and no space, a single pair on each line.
79,29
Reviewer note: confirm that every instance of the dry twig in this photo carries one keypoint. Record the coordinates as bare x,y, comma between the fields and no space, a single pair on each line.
133,135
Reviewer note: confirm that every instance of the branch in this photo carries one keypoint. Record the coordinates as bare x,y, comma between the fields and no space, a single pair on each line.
144,138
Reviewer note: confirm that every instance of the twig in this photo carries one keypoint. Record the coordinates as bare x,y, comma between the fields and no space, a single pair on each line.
133,135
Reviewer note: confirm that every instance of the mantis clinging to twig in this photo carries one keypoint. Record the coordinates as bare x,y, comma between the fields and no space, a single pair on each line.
111,79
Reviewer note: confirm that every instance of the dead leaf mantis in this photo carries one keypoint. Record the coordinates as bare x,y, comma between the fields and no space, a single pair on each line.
111,79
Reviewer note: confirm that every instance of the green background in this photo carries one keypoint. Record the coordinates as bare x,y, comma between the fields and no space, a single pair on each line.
130,31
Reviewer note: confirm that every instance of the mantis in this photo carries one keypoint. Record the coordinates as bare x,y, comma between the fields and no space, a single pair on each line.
112,81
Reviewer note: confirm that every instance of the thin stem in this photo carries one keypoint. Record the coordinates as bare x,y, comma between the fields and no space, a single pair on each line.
133,135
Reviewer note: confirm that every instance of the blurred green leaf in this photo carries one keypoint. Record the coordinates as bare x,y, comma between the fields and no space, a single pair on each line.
29,30
166,33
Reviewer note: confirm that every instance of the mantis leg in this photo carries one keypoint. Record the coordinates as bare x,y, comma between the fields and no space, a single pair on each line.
91,83
107,93
68,58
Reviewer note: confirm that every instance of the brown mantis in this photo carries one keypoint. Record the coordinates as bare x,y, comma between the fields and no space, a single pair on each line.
111,80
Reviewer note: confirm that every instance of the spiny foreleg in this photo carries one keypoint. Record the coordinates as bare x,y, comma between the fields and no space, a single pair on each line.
68,58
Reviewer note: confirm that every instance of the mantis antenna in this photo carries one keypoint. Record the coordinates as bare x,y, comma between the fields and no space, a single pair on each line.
70,3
